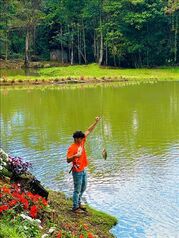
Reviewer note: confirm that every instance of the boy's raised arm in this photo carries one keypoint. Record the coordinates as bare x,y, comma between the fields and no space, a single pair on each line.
91,128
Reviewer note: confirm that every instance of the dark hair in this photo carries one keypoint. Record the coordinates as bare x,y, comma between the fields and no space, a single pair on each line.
78,134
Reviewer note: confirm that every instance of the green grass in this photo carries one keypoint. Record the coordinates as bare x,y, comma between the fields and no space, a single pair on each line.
7,231
99,223
92,71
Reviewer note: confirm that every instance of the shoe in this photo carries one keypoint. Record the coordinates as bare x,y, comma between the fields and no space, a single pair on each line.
77,210
82,207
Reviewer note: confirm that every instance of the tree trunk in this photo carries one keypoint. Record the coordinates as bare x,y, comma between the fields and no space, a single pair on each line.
69,44
6,46
72,50
79,46
114,58
106,55
176,39
101,36
97,50
27,41
33,40
101,43
62,55
94,50
6,41
140,59
84,44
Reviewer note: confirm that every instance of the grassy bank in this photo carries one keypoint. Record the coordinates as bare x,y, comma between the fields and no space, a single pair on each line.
93,70
90,73
59,215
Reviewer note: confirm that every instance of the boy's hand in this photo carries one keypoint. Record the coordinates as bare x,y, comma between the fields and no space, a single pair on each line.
97,118
91,128
79,153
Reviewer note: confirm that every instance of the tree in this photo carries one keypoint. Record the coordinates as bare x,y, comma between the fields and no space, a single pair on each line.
8,8
172,10
28,16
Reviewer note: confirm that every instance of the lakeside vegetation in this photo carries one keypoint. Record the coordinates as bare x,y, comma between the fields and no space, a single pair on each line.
89,73
25,211
57,215
93,70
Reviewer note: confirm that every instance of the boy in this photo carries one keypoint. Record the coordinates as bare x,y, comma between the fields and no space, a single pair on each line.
77,155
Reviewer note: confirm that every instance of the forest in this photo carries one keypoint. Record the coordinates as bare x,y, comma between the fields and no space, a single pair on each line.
117,33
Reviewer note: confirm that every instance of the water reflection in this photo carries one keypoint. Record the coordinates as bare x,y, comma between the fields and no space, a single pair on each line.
140,130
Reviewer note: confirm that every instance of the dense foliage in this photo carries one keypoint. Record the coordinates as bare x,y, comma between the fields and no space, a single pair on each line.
128,33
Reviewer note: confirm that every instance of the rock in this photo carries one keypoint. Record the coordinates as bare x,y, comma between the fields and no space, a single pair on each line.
45,235
3,155
26,217
5,172
51,230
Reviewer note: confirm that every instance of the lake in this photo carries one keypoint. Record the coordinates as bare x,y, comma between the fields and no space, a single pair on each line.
139,181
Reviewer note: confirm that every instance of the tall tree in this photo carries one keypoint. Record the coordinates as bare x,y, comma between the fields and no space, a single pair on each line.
172,10
28,16
8,9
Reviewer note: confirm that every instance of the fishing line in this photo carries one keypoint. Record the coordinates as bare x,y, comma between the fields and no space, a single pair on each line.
104,152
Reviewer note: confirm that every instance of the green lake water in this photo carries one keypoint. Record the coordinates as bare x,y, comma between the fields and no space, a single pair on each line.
139,181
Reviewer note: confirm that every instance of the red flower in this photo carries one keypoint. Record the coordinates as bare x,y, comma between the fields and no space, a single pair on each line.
81,236
85,226
33,211
16,187
12,203
25,203
44,202
17,195
6,190
35,198
3,208
30,195
59,235
90,235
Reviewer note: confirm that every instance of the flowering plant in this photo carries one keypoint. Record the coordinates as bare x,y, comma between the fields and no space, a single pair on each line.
12,165
11,198
17,165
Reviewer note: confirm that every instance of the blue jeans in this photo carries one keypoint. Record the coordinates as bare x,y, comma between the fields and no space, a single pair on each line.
80,183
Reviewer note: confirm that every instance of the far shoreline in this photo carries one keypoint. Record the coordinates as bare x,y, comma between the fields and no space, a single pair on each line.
49,73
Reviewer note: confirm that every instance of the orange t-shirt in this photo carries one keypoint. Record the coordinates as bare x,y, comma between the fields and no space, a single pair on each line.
81,162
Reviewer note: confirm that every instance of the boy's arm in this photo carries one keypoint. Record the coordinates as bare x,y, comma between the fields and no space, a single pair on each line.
91,128
72,157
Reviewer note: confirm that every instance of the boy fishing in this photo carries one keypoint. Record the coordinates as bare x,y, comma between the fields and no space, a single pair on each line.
77,155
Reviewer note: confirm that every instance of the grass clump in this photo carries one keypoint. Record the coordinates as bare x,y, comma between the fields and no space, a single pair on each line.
7,231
